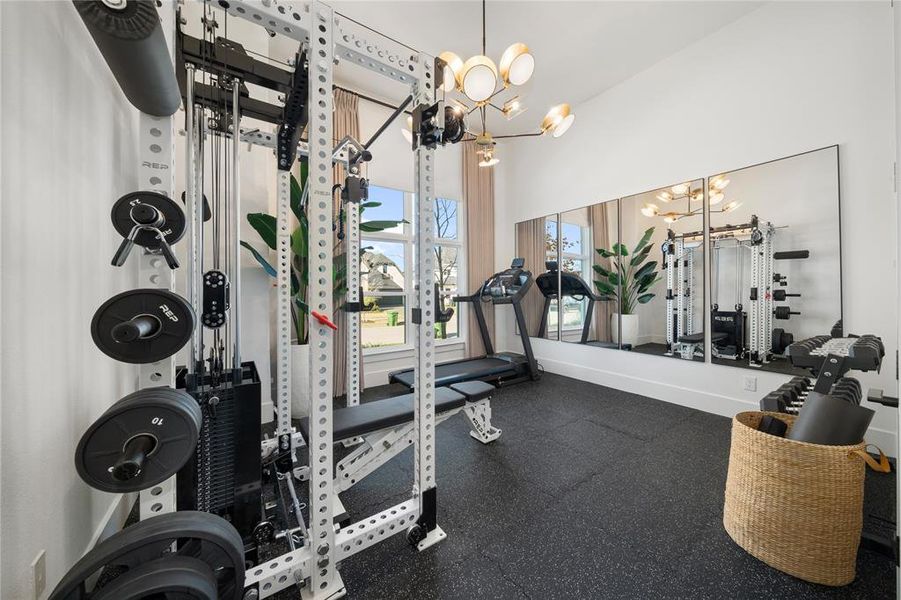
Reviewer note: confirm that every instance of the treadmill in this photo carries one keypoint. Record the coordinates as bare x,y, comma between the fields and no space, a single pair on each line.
571,286
500,368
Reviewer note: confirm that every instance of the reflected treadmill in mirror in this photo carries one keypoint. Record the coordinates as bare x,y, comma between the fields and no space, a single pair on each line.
572,277
659,261
775,263
536,243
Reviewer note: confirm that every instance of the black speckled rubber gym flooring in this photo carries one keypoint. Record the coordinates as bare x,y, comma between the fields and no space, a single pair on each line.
589,493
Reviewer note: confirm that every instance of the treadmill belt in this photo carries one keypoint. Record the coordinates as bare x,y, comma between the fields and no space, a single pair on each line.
463,371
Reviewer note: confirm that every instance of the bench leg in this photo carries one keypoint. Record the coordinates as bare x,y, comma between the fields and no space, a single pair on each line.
479,415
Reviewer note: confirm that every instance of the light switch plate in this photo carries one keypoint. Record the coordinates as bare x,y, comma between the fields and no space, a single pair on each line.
750,383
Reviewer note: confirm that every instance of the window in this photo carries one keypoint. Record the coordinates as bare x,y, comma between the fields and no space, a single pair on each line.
575,242
386,267
448,251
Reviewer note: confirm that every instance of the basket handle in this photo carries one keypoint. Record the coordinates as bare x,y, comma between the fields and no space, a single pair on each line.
882,466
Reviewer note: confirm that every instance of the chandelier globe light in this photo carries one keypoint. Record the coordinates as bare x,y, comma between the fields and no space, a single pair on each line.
479,81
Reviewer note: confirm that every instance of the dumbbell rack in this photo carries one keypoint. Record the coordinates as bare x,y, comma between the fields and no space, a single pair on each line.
829,359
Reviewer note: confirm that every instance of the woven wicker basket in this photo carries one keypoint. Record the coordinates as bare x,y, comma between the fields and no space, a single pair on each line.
798,507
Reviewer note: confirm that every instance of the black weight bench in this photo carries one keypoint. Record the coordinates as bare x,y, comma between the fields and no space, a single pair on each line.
356,421
386,427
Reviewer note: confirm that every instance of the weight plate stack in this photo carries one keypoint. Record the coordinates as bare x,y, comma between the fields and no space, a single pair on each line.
142,440
140,558
173,227
143,326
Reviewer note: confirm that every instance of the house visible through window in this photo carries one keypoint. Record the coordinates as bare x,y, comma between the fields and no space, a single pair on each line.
386,267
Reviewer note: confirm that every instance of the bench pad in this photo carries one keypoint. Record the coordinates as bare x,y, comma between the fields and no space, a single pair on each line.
365,418
473,390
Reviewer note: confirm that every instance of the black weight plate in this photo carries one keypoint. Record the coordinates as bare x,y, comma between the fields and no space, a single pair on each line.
175,315
174,422
199,535
207,213
171,577
173,229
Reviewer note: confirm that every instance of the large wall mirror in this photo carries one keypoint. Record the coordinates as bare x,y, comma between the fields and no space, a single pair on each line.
775,267
580,272
660,262
536,243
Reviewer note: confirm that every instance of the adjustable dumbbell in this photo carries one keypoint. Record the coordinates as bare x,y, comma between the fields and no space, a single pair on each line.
848,389
784,312
781,295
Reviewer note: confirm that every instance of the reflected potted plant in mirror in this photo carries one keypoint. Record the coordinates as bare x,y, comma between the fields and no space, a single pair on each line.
265,225
627,282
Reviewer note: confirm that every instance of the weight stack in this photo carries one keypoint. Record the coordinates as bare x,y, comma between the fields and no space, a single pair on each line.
225,475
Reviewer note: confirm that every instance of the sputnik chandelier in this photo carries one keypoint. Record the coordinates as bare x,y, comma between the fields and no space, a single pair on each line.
685,192
481,83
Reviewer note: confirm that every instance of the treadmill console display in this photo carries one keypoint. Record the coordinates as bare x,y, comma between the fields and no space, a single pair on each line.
512,282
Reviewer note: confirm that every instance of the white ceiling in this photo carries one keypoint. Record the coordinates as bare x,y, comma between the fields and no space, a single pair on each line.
581,48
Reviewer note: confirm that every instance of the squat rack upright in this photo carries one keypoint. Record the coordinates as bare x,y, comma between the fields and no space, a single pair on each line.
328,36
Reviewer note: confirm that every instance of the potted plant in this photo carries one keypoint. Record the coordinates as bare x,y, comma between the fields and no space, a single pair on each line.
627,282
265,225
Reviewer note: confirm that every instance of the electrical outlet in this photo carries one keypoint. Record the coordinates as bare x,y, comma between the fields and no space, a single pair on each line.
750,384
39,574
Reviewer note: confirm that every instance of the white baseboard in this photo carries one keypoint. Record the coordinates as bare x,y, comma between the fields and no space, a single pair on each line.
702,400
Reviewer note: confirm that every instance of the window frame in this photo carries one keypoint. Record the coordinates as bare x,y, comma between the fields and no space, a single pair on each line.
406,238
585,259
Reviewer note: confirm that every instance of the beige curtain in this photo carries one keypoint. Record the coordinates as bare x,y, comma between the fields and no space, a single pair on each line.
531,246
347,122
600,238
478,196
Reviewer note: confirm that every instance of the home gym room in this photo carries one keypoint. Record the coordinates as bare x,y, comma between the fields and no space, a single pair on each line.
449,299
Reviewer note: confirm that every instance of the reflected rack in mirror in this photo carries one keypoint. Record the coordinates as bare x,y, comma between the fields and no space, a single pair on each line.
775,263
659,262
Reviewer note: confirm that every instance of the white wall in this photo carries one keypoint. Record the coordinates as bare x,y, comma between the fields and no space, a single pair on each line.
69,150
786,78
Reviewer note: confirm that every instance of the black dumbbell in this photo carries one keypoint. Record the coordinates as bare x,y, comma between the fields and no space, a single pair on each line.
772,426
773,402
784,312
780,295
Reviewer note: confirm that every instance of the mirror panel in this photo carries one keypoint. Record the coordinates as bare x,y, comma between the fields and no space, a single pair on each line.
536,243
588,297
660,259
760,217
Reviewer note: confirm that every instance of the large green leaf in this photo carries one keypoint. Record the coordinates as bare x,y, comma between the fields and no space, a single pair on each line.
600,270
645,269
613,278
647,282
620,249
264,225
296,197
640,256
259,257
605,253
645,298
299,241
370,204
644,239
371,226
604,287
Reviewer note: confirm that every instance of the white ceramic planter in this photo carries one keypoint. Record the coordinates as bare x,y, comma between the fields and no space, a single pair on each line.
300,377
629,328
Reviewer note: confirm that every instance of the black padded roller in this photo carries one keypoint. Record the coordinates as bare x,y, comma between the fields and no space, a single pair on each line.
131,40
